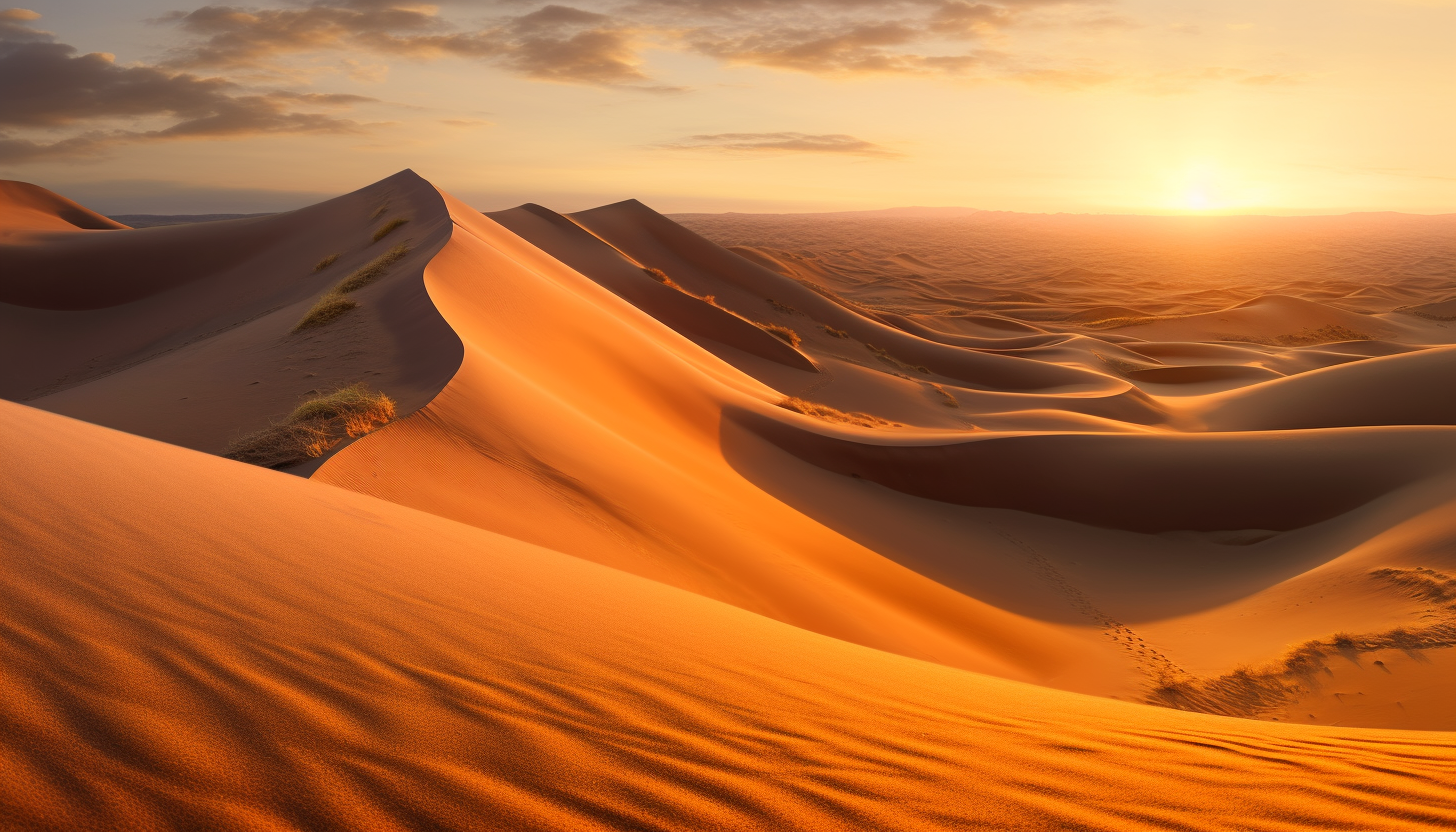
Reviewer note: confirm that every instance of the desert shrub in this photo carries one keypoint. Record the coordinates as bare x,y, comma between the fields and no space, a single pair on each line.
885,356
1120,366
945,397
335,302
1323,335
325,263
783,333
373,270
314,427
661,277
829,414
837,333
327,309
1420,582
388,227
782,307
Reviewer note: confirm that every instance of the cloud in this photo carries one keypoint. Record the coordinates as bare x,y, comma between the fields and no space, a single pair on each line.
831,143
48,86
603,44
552,43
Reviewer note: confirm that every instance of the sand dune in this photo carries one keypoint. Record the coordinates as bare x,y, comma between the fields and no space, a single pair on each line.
185,333
835,527
313,658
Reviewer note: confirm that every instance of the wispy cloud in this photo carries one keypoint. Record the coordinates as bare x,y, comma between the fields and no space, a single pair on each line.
832,143
46,85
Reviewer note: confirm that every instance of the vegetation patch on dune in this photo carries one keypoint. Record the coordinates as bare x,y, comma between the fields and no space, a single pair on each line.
385,229
661,277
1121,321
945,397
783,333
336,302
885,356
325,263
1120,366
1309,336
829,414
781,307
1323,335
327,309
1249,691
837,333
314,427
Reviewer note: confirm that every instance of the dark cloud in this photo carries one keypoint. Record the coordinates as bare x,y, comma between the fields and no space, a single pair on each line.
46,85
833,143
552,43
601,43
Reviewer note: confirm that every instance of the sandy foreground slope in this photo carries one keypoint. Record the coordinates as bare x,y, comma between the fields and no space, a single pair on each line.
601,571
189,642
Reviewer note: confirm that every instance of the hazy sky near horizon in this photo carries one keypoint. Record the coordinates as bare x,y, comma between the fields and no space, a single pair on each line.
1245,106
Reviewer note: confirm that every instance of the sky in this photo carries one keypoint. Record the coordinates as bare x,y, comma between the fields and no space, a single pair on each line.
1086,106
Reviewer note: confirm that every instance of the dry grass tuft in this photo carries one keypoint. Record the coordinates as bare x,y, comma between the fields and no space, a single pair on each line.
388,227
1324,335
1308,336
661,277
328,308
829,414
782,307
1252,691
1120,366
335,303
314,427
885,356
1125,321
946,398
379,212
837,333
783,333
1422,583
325,263
373,270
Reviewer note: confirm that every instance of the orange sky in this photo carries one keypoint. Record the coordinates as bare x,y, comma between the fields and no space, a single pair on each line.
1276,106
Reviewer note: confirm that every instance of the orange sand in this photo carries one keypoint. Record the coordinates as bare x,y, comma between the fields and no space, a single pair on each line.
594,577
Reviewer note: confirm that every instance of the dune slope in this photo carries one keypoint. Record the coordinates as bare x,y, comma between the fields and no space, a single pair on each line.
199,643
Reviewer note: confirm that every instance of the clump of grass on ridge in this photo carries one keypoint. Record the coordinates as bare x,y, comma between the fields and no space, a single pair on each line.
325,263
388,227
328,308
783,333
661,277
373,270
829,414
782,307
837,333
335,302
945,397
885,356
314,427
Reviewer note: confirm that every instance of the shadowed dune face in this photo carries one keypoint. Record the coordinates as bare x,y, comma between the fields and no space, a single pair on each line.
186,333
668,534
